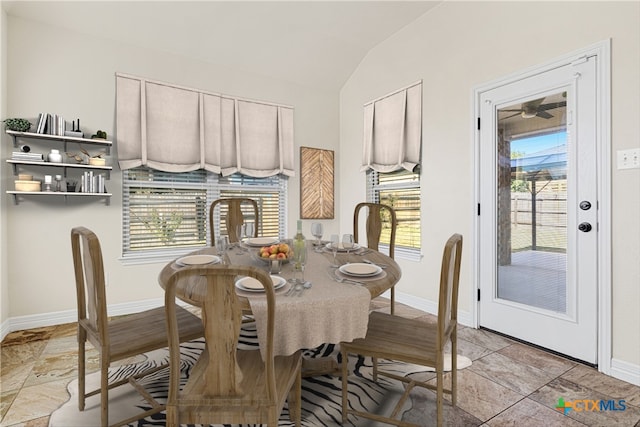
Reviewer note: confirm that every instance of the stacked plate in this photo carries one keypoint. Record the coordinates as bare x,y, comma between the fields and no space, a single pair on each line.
198,260
258,242
358,269
250,284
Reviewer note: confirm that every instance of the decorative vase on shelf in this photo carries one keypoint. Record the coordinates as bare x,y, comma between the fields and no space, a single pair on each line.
54,156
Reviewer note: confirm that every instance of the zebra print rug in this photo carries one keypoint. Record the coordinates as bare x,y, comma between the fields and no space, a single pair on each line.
321,395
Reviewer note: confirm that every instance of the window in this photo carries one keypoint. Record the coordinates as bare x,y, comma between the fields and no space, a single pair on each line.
165,214
401,191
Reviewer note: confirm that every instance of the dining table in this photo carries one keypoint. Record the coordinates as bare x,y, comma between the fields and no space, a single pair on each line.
334,308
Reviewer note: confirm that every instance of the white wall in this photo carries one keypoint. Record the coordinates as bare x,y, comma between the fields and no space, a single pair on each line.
4,290
53,70
457,46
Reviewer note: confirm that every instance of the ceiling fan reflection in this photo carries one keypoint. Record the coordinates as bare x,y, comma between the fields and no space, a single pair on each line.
534,108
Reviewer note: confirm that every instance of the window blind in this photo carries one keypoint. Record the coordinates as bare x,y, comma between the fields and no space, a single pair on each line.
270,193
401,191
165,211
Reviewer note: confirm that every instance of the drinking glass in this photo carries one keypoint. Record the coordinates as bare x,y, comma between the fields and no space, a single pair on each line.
316,231
347,242
249,230
335,241
223,245
241,233
275,266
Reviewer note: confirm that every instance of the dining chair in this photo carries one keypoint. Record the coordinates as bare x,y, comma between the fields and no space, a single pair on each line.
120,337
374,226
228,385
233,211
413,341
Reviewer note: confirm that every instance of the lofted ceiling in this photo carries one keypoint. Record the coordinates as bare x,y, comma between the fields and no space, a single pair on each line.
311,43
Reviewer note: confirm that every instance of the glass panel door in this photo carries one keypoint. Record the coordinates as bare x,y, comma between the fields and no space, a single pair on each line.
532,203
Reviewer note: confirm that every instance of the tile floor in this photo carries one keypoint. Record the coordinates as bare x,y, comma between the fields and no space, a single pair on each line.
508,384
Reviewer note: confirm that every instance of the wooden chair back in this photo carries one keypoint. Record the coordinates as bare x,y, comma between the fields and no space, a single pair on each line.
374,224
233,211
90,285
227,385
449,284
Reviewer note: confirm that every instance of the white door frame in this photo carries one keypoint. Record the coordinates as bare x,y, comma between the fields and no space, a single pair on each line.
602,51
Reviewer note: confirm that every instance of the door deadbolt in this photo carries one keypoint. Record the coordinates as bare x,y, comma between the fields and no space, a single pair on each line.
585,205
584,227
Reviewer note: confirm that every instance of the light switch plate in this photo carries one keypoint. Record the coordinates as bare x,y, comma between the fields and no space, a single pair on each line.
629,159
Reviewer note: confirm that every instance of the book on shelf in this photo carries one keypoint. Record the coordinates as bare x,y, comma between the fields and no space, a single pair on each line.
100,184
42,123
61,126
93,183
33,157
55,125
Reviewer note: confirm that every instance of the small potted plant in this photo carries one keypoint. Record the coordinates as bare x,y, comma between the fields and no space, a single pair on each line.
99,135
19,125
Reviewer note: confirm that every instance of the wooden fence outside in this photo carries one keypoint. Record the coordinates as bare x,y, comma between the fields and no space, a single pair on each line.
551,209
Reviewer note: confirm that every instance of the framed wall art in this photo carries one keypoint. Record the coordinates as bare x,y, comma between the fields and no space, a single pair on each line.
316,183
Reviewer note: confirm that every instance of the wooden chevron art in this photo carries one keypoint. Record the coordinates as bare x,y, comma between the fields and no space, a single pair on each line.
316,183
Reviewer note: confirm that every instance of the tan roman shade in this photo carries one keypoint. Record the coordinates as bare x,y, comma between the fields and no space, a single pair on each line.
177,129
393,131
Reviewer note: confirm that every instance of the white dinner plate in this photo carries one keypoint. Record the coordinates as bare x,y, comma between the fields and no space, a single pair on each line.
360,269
254,285
341,248
198,260
261,241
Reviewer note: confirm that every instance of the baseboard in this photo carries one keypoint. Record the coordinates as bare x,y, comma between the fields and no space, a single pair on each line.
40,320
5,328
625,371
464,317
68,316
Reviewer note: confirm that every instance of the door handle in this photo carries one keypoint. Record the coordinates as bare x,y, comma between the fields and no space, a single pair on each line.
584,227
